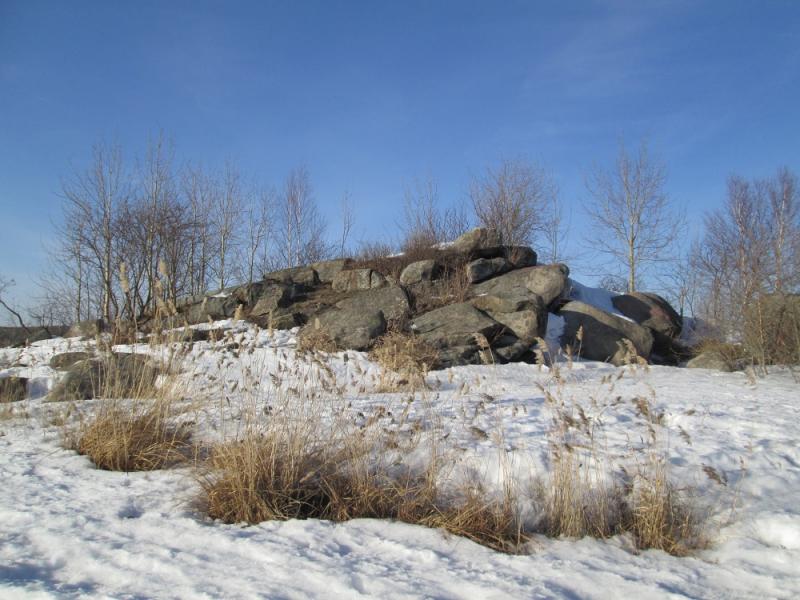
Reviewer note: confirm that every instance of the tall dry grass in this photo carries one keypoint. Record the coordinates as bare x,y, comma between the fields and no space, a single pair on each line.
591,493
132,426
308,459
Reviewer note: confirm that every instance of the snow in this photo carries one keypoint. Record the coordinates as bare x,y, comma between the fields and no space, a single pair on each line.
594,296
70,530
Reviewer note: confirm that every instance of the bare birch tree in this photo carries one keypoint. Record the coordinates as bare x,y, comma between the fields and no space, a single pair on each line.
92,199
635,222
227,206
300,235
256,233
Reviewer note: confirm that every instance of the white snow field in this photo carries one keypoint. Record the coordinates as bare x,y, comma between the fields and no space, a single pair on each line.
69,530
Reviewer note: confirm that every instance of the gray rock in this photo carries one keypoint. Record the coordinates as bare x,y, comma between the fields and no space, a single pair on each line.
13,389
67,359
498,304
519,257
480,237
512,286
219,306
354,279
273,296
82,381
486,268
526,325
651,311
711,360
248,293
303,276
327,269
377,280
452,331
548,282
514,350
603,333
119,375
349,329
422,270
392,301
655,313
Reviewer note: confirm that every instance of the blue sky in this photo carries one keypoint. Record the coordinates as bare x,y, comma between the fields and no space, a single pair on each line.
371,95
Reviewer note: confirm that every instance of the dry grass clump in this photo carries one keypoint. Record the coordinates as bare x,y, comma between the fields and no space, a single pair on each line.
732,354
295,467
111,375
315,340
13,389
661,516
405,355
583,497
451,287
119,439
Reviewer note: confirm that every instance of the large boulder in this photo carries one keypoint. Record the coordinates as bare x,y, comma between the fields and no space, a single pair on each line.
221,305
392,301
349,328
519,257
713,360
354,279
302,276
82,381
548,282
655,313
651,311
118,375
452,331
13,388
472,240
512,286
486,268
527,325
603,334
419,271
274,295
327,269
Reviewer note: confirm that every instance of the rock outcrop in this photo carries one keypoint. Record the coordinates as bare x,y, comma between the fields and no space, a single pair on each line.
472,299
598,335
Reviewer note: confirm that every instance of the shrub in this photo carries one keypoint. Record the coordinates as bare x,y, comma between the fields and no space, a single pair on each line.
405,355
583,498
771,333
294,467
124,439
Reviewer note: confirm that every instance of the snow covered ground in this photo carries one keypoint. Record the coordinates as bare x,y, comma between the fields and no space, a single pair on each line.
70,530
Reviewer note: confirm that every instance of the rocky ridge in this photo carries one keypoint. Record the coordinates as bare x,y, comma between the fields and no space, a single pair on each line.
472,300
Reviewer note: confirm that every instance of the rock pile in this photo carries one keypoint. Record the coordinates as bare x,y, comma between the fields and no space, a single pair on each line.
473,300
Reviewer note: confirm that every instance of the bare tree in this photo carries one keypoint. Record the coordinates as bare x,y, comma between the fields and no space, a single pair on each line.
256,235
300,236
227,206
514,200
750,246
555,232
92,199
5,285
197,192
635,223
784,209
348,220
